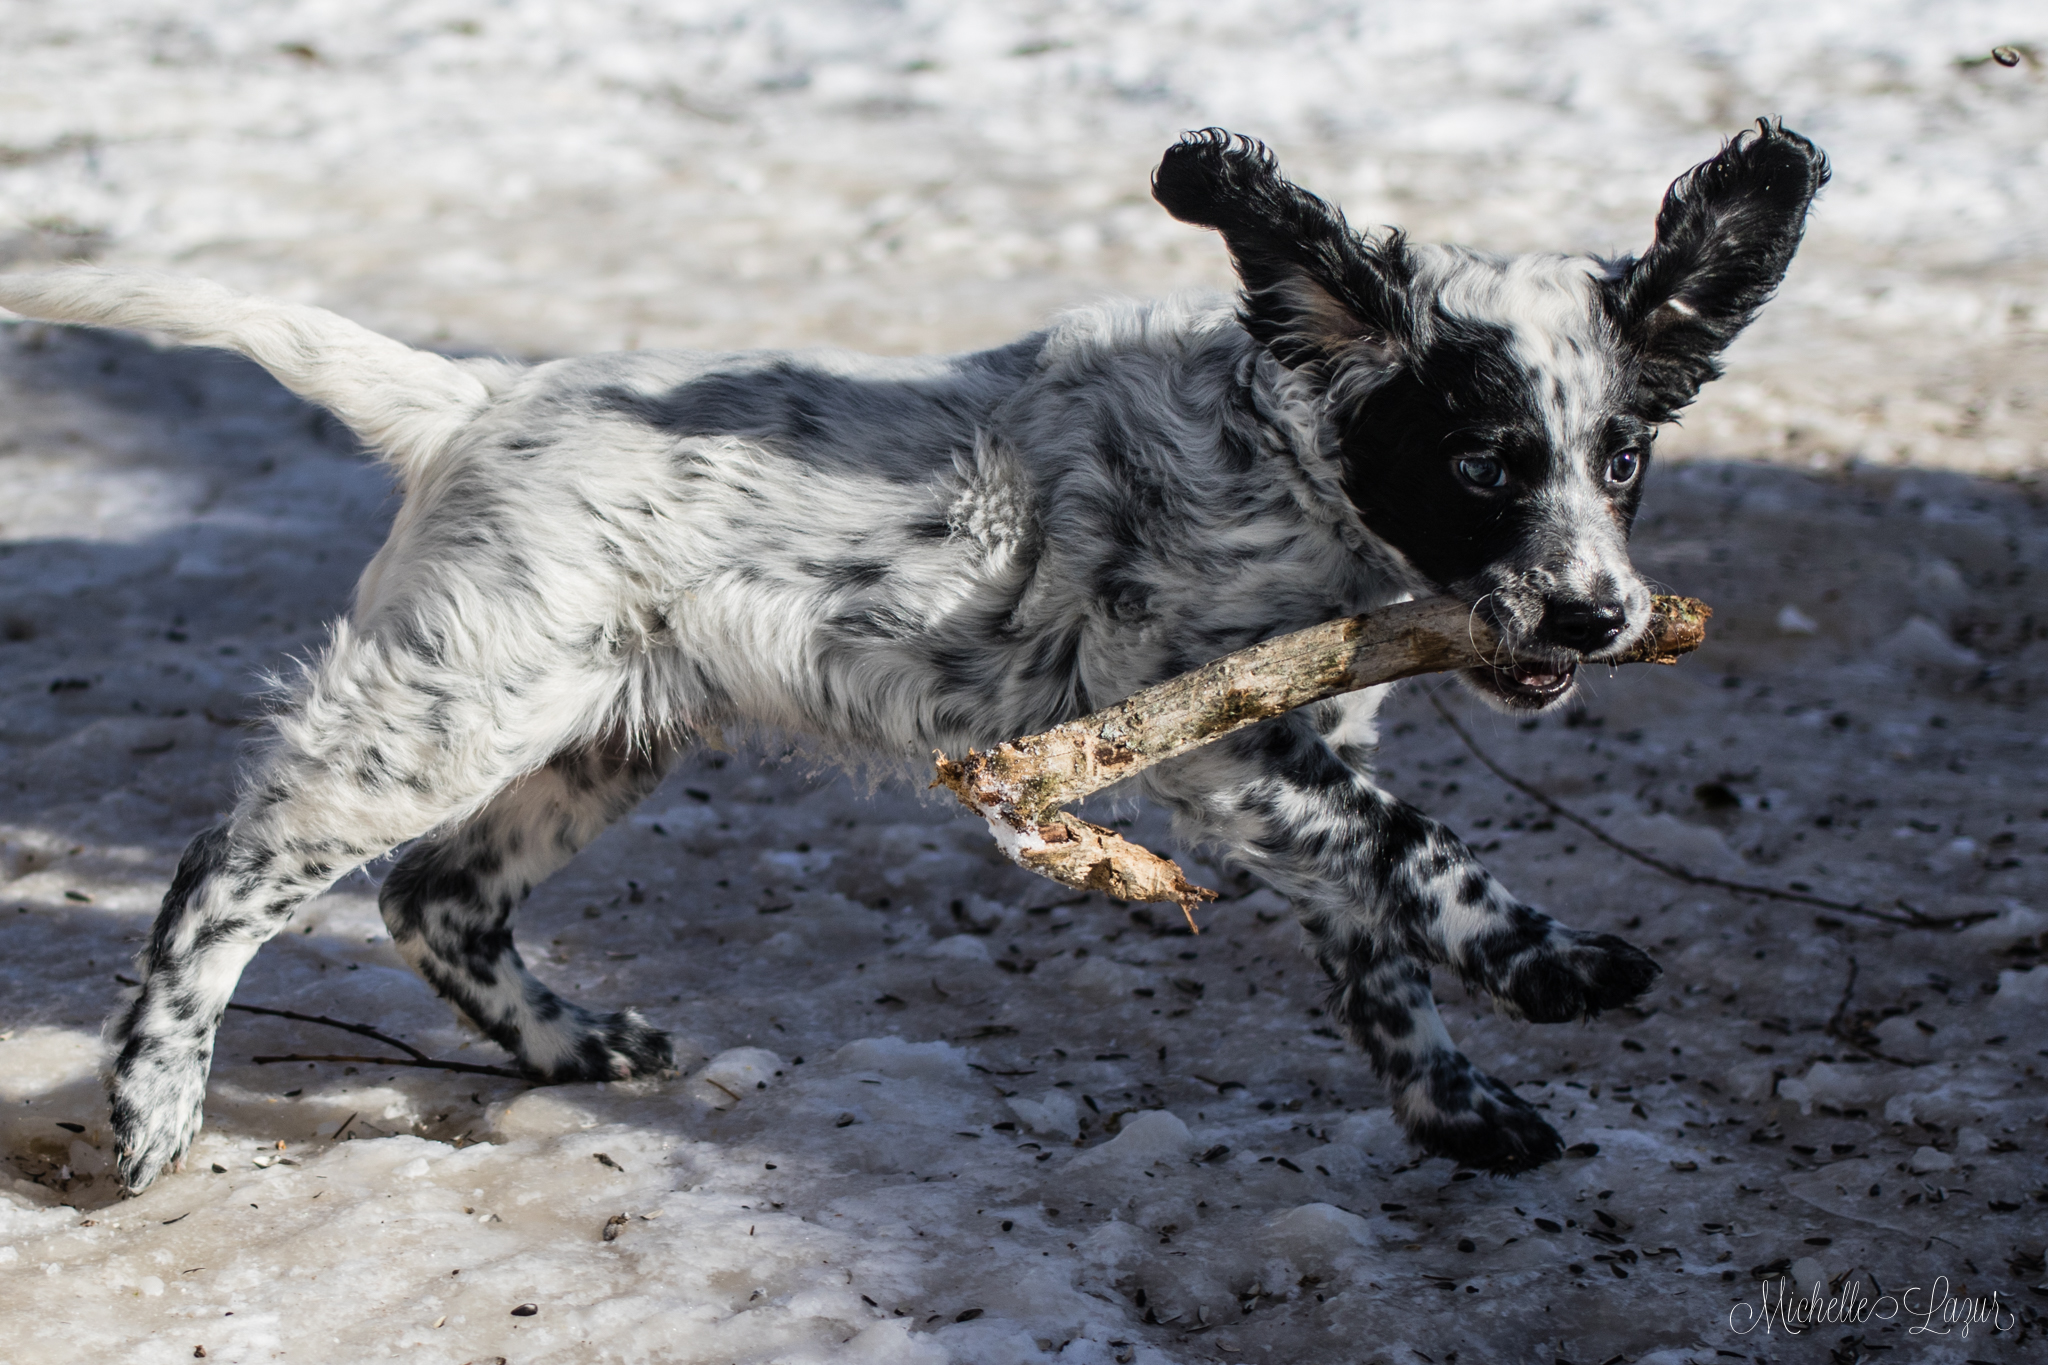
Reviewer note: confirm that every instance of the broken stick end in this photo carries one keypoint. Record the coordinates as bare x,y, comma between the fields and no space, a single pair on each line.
1678,626
950,775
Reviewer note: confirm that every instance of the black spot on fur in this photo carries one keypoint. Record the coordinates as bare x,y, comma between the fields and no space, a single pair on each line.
414,638
826,419
849,575
424,878
1482,1124
203,858
1464,394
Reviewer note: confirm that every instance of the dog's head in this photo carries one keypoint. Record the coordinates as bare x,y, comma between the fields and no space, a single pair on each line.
1493,416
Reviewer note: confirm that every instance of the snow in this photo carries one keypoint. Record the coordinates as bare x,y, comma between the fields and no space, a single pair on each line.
546,177
895,1044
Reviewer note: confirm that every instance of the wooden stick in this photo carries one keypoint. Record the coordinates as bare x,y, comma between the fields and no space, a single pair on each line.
1019,786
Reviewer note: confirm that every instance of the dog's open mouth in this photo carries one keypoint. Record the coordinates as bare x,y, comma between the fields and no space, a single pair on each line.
1526,685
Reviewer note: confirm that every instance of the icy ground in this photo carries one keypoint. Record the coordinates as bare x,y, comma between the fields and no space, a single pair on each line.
546,176
932,1113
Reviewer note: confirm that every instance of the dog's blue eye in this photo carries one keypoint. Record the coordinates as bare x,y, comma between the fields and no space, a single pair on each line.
1621,468
1482,471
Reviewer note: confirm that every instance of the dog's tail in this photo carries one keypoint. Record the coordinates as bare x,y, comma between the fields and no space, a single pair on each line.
405,404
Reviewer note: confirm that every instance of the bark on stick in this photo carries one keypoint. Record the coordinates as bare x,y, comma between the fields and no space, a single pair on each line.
1019,786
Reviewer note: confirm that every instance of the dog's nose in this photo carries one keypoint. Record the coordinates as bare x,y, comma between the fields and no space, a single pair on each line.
1582,625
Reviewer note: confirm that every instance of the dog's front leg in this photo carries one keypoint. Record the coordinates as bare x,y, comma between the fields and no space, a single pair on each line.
1384,892
1449,1107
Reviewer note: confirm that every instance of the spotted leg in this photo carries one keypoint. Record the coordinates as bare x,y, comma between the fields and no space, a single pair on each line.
1448,1106
1384,893
388,739
449,905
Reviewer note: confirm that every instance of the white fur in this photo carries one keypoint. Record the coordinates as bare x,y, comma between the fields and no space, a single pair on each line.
407,405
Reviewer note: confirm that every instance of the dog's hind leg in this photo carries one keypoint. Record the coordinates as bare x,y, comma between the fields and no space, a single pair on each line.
391,737
449,905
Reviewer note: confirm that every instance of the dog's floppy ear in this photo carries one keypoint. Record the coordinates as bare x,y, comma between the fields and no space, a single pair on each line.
1725,235
1315,292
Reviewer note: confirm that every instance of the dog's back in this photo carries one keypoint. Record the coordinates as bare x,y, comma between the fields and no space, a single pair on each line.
886,554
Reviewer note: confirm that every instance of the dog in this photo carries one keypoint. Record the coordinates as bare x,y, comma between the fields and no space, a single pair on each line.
598,558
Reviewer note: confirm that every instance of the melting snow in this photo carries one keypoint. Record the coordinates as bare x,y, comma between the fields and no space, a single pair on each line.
932,1110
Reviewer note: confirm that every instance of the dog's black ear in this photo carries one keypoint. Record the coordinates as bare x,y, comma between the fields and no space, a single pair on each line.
1725,235
1315,292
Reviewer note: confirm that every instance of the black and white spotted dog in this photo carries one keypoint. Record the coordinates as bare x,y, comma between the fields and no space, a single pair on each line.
599,558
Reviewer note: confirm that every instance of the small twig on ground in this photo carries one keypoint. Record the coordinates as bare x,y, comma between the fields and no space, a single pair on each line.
413,1057
1913,918
1837,1029
469,1068
363,1030
1834,1028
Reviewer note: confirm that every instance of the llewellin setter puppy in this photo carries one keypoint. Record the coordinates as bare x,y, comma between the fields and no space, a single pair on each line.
598,558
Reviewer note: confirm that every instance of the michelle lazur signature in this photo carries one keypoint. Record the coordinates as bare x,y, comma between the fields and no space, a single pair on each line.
1933,1310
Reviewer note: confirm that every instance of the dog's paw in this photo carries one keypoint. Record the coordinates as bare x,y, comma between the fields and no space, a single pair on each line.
158,1106
1575,975
611,1047
635,1047
1476,1121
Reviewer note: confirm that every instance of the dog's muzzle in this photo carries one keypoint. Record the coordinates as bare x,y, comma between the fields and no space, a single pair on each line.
1542,671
